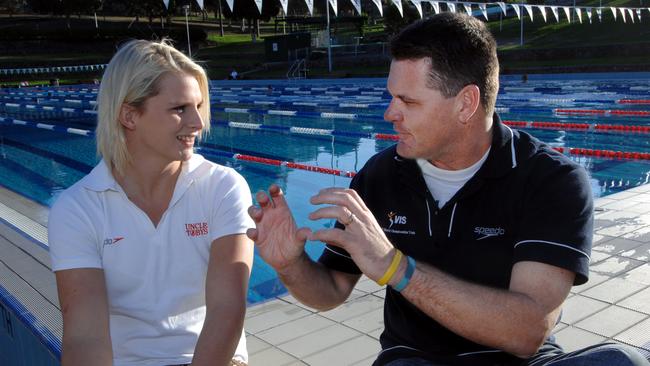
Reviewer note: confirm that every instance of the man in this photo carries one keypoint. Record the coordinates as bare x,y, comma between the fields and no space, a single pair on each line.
478,230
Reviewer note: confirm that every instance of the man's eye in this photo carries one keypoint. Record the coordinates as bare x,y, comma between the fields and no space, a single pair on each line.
179,109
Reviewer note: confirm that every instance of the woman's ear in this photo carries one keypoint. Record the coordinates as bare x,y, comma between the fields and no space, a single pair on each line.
127,116
469,100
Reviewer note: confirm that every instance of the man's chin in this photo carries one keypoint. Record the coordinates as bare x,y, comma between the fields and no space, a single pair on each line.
404,152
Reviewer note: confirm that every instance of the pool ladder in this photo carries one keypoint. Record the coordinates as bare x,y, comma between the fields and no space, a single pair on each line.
298,69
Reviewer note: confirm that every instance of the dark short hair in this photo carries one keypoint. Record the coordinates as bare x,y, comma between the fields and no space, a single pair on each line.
462,52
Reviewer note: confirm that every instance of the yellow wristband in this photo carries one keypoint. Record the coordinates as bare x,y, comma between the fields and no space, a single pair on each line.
390,272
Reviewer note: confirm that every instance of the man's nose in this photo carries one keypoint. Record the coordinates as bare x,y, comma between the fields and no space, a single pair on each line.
392,113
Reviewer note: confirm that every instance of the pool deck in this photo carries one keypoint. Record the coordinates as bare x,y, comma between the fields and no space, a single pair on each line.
613,305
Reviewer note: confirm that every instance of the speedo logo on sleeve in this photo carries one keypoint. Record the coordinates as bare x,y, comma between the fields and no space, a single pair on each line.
488,232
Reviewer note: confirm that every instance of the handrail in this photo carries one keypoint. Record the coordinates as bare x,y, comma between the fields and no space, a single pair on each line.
297,70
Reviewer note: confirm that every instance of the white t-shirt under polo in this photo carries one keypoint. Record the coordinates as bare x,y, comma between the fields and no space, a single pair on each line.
155,276
443,184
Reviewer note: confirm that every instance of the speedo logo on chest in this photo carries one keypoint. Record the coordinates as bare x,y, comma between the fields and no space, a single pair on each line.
112,241
488,232
196,229
395,219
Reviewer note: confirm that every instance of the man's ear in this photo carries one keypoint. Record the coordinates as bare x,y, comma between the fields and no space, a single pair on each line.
127,116
468,101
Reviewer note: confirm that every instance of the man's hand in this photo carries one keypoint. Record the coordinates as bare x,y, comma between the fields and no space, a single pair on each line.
279,241
362,238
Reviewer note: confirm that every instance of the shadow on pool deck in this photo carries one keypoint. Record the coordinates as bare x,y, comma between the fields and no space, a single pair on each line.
613,306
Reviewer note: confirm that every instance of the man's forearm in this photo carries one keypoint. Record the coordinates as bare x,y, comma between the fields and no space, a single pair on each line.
314,285
498,318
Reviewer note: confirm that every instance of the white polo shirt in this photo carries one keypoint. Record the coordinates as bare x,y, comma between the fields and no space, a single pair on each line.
155,276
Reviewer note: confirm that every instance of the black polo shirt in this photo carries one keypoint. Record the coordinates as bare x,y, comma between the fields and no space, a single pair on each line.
526,203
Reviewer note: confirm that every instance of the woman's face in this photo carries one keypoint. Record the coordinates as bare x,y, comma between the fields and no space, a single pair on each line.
166,127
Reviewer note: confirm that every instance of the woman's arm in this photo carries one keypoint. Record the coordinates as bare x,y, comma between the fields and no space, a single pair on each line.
229,269
84,305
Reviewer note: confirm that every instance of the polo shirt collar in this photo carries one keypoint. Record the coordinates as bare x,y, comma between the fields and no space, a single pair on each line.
101,178
502,157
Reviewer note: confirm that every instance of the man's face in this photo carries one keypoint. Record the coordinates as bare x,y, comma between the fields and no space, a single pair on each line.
422,117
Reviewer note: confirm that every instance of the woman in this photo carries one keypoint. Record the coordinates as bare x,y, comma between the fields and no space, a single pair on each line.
149,249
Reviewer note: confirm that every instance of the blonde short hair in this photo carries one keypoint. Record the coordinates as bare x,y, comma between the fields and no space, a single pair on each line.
131,77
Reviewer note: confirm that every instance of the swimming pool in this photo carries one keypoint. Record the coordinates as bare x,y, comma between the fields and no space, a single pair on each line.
331,126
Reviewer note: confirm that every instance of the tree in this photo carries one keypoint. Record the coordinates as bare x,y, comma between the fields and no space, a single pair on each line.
12,6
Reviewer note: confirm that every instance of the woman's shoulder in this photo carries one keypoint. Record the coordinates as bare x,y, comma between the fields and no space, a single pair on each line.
212,173
84,191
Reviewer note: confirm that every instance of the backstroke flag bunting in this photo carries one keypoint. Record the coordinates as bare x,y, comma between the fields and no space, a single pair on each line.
468,8
418,6
529,10
379,6
310,6
555,13
567,12
625,12
542,9
398,4
436,6
503,8
285,6
517,10
483,8
357,5
622,14
334,5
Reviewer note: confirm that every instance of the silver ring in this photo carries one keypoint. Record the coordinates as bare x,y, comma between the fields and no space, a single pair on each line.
350,219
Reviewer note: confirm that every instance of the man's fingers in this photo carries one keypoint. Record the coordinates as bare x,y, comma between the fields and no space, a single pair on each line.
303,234
339,213
339,196
277,196
262,198
252,234
275,190
331,236
255,213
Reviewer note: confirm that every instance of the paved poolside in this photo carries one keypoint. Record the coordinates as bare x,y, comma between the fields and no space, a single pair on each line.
613,305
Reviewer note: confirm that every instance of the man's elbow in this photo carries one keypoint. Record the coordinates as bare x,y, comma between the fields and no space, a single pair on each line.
530,343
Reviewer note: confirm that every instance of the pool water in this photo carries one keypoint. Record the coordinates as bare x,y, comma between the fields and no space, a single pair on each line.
39,163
